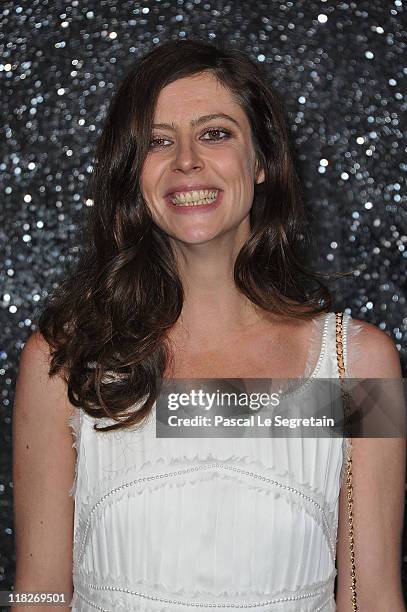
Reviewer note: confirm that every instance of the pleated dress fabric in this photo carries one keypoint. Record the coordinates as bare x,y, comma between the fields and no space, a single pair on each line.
168,524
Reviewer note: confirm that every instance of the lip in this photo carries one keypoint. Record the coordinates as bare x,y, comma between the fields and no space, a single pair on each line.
189,187
203,208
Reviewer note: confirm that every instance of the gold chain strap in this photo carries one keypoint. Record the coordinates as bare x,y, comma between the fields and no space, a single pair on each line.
345,396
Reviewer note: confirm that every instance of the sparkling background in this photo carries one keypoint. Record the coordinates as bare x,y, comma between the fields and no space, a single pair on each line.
340,68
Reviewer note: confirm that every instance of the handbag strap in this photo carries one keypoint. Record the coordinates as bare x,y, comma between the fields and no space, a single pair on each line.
341,370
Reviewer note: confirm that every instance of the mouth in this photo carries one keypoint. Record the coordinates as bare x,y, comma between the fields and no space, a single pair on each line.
202,199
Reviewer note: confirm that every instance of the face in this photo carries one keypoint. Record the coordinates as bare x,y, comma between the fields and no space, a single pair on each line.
199,175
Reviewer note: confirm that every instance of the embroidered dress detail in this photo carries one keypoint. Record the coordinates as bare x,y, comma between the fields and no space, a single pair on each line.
171,525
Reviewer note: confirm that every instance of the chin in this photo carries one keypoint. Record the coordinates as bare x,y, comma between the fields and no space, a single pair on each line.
194,236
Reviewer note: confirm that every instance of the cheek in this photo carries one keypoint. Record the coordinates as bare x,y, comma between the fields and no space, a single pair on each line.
229,167
239,164
147,180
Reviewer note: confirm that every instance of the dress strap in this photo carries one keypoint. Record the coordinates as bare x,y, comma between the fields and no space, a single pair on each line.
345,336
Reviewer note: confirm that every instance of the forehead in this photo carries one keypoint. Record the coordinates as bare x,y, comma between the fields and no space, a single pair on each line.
193,96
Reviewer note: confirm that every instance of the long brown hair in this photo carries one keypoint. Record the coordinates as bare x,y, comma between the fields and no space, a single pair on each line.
107,321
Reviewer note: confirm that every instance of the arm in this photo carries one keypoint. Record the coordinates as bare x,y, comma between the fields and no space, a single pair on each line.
43,473
378,469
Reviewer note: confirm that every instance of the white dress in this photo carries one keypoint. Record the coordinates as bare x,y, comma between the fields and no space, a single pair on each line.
167,524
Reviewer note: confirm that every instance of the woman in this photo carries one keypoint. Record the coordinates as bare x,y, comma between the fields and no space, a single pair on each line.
193,271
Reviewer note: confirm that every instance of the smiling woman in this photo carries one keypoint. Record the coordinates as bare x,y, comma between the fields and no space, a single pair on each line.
192,267
200,147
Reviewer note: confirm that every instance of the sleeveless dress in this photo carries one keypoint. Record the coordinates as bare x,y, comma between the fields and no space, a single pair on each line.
167,524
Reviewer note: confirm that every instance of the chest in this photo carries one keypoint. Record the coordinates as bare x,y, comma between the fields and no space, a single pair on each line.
259,355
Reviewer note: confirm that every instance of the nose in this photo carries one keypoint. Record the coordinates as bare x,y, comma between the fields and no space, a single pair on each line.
186,156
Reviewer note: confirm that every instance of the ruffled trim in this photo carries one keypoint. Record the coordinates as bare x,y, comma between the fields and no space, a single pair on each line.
161,463
74,422
317,345
352,345
317,348
89,587
84,604
166,454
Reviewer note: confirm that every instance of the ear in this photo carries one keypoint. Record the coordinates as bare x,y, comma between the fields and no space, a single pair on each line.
260,176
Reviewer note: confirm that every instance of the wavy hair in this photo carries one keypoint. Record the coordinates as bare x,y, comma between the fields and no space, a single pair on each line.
107,321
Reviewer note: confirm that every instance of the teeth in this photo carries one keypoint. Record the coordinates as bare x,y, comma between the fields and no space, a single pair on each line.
194,198
198,203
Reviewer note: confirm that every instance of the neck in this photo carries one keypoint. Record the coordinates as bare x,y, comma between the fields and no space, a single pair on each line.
213,306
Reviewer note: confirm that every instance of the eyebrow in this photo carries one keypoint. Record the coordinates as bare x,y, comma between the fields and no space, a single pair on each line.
198,121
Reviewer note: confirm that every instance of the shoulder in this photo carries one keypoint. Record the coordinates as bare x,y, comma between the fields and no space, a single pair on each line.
35,359
375,355
36,348
34,383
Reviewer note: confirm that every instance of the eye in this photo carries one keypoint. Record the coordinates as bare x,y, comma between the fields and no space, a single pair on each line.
215,136
217,131
157,143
